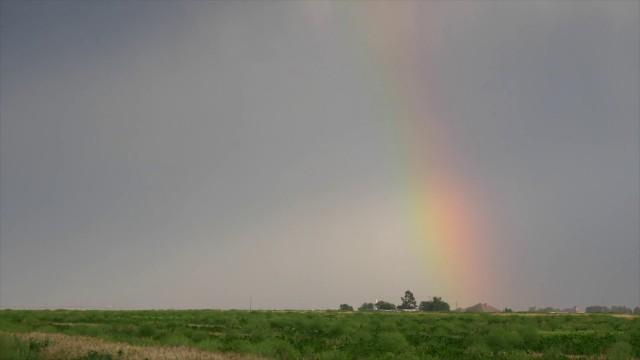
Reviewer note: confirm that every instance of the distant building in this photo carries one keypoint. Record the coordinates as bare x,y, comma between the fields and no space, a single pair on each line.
408,310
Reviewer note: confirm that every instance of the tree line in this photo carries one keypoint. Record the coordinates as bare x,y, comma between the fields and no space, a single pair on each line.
407,302
612,310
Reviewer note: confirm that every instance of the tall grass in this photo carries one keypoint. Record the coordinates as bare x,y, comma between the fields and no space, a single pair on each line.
12,348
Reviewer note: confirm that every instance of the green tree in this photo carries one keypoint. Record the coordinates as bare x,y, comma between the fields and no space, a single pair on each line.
366,307
434,305
383,305
408,301
346,307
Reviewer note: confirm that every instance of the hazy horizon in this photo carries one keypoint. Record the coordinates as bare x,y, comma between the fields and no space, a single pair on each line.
304,154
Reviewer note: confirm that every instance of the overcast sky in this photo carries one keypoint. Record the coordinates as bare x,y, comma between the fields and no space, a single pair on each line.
185,154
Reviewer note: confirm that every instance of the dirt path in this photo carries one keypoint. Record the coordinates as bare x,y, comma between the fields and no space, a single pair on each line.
62,347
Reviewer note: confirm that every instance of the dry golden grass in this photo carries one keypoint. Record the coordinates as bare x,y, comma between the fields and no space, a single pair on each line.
63,347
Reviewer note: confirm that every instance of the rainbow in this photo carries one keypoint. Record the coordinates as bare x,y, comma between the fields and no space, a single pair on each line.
447,222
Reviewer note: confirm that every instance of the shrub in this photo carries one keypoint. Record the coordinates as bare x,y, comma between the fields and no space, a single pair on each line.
530,336
278,349
620,351
333,355
210,345
553,354
196,335
94,355
478,351
497,339
176,339
146,330
392,342
515,355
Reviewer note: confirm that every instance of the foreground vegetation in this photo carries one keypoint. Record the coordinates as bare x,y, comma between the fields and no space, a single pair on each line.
335,335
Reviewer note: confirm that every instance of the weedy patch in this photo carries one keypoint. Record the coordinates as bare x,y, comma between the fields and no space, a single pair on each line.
214,334
66,347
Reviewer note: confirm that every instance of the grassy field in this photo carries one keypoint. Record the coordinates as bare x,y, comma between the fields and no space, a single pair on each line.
204,334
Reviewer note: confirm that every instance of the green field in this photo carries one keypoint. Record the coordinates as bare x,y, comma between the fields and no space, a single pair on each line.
336,335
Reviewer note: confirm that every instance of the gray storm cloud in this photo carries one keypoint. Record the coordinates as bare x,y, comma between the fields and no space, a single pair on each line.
196,154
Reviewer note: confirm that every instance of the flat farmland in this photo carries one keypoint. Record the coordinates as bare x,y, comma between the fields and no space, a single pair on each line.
214,334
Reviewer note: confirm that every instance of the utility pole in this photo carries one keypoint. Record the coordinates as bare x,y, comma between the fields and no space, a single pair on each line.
250,303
